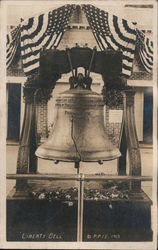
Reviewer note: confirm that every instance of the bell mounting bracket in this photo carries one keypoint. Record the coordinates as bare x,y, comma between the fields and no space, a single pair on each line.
79,80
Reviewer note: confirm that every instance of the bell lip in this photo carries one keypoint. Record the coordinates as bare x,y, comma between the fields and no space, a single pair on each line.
110,158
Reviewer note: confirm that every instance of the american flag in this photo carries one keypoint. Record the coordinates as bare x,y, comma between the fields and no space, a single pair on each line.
113,33
42,32
13,41
145,50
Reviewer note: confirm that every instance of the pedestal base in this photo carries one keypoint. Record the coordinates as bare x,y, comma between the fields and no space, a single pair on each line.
117,221
113,220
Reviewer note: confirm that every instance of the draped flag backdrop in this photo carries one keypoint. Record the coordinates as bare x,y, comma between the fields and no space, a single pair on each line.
13,41
145,50
46,31
114,33
42,32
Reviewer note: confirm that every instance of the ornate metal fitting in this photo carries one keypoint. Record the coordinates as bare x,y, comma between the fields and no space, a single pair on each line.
36,88
112,97
39,81
31,93
112,90
44,94
129,94
28,93
80,81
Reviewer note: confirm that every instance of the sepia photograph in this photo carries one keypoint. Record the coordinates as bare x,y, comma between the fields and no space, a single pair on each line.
78,119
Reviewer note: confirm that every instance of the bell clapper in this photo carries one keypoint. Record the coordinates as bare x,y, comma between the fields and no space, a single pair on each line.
56,162
77,166
100,162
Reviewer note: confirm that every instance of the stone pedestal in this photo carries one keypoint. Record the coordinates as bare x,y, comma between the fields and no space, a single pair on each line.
113,220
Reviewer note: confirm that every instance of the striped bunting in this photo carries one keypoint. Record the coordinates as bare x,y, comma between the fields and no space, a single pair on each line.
145,50
42,32
113,33
13,40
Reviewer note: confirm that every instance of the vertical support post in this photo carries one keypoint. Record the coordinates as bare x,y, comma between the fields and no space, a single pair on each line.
131,138
123,150
33,139
44,94
27,160
77,166
42,119
80,209
113,98
27,140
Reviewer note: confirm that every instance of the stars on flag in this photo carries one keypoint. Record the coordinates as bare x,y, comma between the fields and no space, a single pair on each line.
113,33
110,32
43,32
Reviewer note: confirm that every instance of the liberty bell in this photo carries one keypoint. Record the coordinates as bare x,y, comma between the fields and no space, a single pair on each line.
78,133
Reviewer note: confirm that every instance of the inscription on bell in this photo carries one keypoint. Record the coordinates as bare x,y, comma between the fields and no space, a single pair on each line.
73,113
80,101
79,105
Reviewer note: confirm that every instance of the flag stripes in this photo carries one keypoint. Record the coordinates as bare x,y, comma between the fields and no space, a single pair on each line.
113,33
145,50
42,32
45,31
13,41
